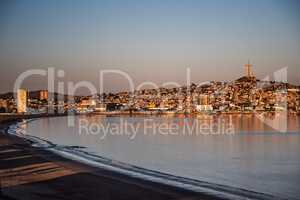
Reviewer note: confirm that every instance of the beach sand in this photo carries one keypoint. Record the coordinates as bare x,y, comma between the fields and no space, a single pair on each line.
31,173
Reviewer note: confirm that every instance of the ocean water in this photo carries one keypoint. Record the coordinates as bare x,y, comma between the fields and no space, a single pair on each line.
235,153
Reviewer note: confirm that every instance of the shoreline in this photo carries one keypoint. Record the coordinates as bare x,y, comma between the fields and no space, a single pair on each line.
7,118
127,113
54,175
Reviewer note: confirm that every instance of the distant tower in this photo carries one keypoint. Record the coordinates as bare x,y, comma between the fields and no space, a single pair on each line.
21,100
248,67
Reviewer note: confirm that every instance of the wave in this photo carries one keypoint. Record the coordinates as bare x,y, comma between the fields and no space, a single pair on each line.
78,153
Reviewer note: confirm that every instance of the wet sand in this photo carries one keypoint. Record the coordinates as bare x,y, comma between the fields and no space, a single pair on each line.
28,172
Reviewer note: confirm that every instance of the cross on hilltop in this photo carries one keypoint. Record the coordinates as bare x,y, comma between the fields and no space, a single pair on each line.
248,67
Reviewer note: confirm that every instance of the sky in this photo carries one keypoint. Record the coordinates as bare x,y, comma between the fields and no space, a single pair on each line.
150,40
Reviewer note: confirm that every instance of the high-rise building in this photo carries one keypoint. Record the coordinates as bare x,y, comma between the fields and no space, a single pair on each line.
204,104
44,95
204,99
21,100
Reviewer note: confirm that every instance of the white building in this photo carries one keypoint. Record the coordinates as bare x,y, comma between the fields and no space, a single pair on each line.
100,107
204,108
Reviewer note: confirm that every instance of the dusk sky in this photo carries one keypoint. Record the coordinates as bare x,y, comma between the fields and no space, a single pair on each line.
150,40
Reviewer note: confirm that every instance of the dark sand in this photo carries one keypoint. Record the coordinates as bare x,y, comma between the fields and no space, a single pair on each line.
31,173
